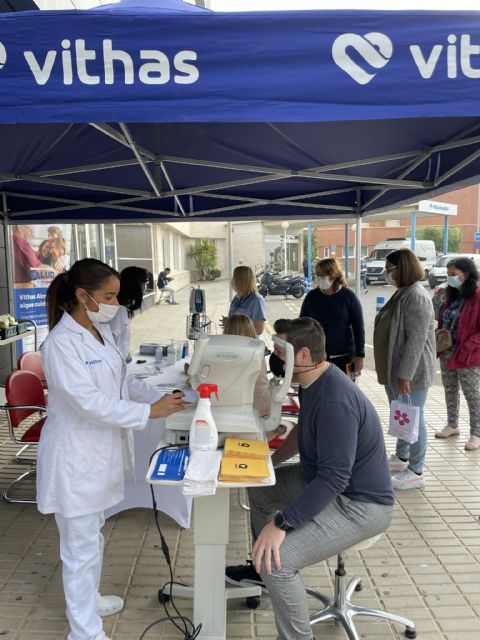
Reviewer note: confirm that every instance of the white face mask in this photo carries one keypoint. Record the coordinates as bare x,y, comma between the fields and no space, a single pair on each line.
390,280
105,313
454,281
323,282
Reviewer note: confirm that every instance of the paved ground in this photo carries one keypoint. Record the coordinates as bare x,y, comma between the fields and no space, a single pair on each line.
426,566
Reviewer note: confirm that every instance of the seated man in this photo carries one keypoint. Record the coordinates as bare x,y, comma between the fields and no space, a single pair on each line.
339,494
162,282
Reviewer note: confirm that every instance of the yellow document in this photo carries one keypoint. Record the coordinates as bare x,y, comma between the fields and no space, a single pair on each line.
246,448
236,469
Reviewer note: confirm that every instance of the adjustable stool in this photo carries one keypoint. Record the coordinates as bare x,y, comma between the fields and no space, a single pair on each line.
341,608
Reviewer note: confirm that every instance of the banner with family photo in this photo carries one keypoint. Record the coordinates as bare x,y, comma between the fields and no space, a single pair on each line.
39,253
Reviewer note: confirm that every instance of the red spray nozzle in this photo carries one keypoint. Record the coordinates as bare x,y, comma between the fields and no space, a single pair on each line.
205,390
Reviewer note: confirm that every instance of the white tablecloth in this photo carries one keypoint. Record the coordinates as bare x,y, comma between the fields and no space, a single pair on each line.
170,500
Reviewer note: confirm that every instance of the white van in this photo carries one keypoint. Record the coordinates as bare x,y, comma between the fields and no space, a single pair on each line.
424,249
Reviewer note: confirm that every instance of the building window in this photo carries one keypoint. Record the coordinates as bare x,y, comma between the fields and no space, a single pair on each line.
109,244
392,223
351,251
326,252
134,246
93,243
165,251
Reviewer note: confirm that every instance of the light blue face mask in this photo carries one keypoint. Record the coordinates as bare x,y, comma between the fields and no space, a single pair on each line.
454,281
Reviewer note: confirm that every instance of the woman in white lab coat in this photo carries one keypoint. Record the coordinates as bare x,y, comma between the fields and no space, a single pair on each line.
86,439
130,298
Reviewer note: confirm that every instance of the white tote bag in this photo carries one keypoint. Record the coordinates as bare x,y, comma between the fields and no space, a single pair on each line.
404,420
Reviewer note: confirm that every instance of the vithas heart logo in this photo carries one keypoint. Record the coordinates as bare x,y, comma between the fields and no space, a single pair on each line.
375,48
3,56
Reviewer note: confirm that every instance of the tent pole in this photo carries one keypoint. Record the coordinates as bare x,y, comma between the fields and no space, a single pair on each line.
230,259
309,257
8,253
347,254
358,242
445,235
9,269
413,220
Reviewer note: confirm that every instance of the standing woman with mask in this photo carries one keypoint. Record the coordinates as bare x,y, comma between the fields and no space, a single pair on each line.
339,311
130,298
92,406
460,364
247,300
404,351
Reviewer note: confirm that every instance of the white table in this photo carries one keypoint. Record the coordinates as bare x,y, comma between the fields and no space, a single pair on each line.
210,538
170,499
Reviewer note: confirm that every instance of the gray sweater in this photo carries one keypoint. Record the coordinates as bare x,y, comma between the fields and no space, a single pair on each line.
341,447
411,346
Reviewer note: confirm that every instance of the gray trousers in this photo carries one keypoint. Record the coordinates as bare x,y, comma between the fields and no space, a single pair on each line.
469,381
342,524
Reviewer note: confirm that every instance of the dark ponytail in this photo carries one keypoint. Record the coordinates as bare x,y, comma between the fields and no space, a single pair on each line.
132,282
88,274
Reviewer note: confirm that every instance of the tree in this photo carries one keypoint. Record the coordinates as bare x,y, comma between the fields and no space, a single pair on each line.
436,234
204,254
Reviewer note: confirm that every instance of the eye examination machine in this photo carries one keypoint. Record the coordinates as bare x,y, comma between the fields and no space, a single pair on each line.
233,363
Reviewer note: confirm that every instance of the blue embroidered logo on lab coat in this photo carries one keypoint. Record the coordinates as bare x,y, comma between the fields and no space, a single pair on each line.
93,361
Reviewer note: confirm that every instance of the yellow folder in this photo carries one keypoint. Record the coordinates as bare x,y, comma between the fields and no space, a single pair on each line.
237,447
236,469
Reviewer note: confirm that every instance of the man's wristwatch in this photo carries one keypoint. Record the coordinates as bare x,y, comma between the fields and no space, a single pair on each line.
281,522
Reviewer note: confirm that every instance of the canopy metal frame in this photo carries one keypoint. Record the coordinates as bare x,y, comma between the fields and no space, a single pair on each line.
157,166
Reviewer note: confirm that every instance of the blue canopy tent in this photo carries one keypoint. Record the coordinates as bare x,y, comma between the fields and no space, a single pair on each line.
161,111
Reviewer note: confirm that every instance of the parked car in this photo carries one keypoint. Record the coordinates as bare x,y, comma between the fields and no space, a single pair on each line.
439,272
424,249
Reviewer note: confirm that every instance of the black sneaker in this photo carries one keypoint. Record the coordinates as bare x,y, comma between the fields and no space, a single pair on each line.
243,573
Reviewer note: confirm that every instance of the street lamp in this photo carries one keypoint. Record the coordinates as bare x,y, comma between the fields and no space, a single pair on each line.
285,226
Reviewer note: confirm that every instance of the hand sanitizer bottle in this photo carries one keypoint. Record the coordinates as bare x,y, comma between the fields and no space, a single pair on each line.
203,430
171,353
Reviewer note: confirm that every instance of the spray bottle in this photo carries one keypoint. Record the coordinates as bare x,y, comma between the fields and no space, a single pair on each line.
203,430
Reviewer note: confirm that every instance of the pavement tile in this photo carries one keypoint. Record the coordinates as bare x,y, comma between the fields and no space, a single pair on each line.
426,566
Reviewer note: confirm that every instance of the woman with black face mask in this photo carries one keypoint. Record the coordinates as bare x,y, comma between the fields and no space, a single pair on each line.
338,310
276,362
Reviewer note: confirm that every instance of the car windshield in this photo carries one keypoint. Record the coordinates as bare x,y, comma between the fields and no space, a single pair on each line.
379,254
443,261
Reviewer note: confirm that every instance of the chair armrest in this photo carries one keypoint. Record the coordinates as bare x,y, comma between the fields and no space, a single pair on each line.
34,407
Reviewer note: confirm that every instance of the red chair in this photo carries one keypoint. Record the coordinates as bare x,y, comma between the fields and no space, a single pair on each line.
25,397
32,361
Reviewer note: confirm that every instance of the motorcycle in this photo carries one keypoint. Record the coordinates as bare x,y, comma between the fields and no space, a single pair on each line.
273,284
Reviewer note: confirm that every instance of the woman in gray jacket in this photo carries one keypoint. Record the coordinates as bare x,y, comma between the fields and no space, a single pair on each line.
404,350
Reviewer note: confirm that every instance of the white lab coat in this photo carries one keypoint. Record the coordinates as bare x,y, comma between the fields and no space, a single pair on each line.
86,439
120,326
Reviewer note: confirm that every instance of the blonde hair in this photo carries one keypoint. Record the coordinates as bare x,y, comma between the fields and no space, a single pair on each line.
55,231
243,281
58,244
239,325
330,267
409,267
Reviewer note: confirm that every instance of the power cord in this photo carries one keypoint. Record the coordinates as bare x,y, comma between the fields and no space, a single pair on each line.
181,622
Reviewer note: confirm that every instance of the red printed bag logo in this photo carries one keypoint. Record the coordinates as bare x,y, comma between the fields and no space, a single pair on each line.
401,417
